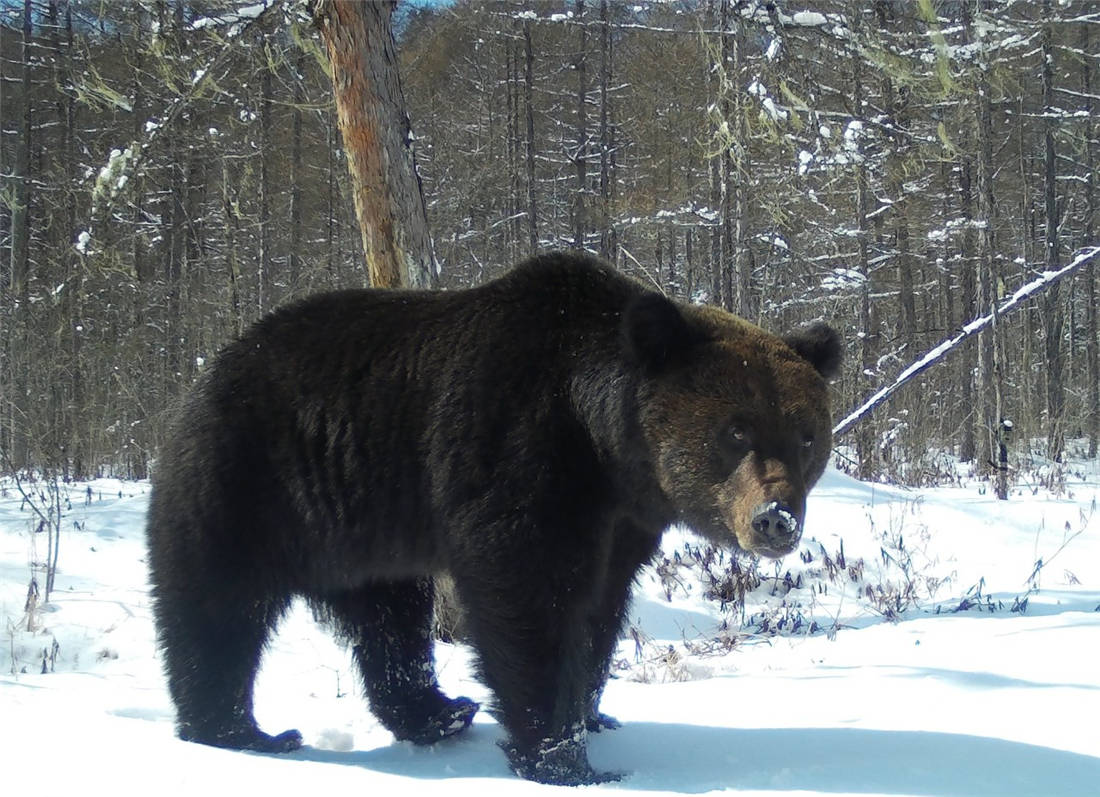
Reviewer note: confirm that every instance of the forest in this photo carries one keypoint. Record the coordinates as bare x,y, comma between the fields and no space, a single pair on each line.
173,171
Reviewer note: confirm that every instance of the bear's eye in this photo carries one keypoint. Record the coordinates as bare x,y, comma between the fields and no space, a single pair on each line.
807,442
738,435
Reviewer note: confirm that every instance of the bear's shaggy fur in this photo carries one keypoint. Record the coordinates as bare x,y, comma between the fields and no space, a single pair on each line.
532,437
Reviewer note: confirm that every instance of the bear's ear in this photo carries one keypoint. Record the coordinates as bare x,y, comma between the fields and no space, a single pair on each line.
656,332
818,344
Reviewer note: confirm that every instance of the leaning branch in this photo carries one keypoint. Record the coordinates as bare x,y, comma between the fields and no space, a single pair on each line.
1045,280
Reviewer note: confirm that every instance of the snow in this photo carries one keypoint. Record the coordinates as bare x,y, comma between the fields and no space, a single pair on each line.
760,91
936,702
853,132
809,19
805,158
843,279
112,177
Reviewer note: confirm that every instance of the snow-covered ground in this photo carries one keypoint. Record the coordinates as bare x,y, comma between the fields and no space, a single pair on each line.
897,667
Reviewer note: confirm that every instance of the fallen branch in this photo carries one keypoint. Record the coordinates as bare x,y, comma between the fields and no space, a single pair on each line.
1038,285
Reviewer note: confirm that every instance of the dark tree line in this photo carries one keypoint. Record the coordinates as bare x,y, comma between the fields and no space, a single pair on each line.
896,167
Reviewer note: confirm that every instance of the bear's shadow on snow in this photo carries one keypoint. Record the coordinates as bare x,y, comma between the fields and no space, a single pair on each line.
693,759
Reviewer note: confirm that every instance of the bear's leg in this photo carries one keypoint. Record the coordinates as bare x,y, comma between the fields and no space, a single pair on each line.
606,625
631,549
534,647
389,626
212,647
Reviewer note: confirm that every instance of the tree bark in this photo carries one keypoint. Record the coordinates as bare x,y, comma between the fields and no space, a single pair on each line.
389,199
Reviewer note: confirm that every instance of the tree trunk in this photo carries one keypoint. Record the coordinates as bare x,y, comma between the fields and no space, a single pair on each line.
332,204
580,156
143,269
738,169
174,222
14,387
232,225
968,445
71,427
1092,327
20,218
726,248
389,199
867,439
265,281
529,113
605,131
294,261
1053,311
511,83
716,16
990,359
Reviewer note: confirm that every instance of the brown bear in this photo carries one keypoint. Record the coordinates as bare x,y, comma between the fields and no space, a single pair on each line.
532,437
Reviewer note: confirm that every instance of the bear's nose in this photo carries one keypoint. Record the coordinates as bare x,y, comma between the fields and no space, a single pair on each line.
775,522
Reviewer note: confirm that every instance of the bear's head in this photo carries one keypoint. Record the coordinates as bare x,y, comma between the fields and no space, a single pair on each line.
736,420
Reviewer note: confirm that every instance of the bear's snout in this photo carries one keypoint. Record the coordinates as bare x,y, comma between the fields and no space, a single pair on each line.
777,528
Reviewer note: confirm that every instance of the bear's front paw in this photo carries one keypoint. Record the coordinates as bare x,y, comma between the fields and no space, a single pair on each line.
557,763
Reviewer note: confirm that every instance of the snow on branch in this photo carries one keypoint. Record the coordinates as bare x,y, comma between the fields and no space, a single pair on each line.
232,18
112,180
1036,286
